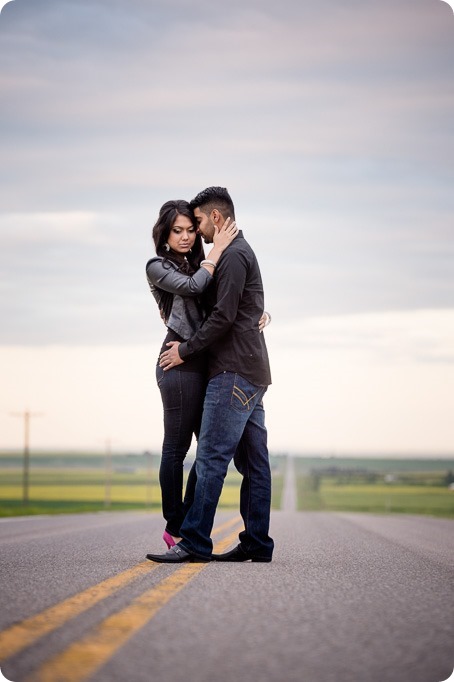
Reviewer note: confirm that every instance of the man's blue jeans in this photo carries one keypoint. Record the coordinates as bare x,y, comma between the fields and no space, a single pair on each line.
233,426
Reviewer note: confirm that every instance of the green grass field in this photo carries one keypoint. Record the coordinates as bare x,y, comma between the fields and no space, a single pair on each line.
378,485
76,482
378,497
53,492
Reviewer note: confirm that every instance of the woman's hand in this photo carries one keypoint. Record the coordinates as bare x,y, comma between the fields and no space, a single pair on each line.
225,235
264,321
221,239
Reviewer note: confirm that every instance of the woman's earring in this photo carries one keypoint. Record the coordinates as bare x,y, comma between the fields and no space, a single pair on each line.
167,247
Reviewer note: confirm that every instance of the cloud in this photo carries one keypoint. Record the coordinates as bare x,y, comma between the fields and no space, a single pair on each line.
24,229
364,383
330,123
395,337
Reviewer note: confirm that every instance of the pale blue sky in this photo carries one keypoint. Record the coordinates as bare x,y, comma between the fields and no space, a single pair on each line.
331,123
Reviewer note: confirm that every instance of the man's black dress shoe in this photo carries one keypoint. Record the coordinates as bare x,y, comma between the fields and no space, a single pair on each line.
238,554
177,555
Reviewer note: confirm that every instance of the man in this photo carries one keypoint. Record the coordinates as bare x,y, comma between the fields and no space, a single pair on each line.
233,423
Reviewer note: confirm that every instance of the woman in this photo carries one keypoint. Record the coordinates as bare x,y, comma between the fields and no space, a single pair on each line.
178,277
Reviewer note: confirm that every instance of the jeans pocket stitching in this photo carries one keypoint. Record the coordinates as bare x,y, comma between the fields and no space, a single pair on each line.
242,397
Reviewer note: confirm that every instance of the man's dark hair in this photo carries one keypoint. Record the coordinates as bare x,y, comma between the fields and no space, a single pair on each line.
214,197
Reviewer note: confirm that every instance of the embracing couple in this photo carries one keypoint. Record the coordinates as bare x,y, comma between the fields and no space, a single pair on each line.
212,372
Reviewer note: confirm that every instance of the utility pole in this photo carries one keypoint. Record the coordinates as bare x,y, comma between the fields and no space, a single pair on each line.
108,483
26,416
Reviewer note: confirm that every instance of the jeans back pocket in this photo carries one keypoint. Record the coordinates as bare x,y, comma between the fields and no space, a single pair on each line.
243,394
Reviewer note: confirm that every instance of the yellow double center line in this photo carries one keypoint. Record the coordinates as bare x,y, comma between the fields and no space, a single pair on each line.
80,659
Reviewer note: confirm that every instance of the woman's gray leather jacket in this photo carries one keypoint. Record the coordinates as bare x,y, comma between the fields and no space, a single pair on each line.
187,314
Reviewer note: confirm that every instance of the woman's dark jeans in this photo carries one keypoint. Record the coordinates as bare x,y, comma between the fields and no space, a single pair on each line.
182,395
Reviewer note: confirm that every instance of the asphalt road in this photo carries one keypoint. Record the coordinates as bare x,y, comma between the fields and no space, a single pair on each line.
347,598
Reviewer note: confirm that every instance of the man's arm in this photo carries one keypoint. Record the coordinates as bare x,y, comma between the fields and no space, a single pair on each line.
230,281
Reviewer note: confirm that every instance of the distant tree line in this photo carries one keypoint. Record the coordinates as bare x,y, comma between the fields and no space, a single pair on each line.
357,475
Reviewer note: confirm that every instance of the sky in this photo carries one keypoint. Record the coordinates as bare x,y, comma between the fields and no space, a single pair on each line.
332,125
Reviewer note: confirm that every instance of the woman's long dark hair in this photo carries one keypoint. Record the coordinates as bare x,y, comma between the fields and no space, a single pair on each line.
161,230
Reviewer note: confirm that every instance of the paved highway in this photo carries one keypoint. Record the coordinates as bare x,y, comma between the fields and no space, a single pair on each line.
347,598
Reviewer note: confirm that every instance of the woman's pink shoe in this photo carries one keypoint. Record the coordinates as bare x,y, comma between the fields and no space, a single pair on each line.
168,539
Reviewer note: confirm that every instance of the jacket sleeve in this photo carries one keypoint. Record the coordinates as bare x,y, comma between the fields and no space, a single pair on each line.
230,281
170,279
